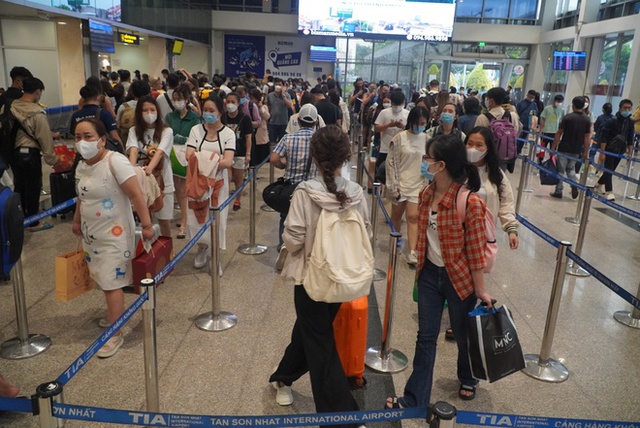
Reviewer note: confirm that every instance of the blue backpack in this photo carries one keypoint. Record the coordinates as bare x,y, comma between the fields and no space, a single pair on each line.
11,229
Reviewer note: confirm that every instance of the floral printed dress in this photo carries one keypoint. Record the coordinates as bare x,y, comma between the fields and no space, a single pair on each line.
108,227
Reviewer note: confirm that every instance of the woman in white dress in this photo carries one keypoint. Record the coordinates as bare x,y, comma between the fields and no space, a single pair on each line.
107,188
149,145
212,136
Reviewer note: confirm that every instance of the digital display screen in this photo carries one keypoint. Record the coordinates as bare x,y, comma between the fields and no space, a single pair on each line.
420,20
177,46
569,60
101,37
128,39
322,54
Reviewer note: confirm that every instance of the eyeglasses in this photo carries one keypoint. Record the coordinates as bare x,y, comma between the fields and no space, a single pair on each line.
426,158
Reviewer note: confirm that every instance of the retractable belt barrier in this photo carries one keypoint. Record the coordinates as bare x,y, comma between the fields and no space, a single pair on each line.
51,211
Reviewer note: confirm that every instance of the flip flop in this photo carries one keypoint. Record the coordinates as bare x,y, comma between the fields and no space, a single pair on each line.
41,226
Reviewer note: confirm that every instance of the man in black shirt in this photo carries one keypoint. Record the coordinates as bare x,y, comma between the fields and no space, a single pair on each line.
573,138
329,112
239,123
91,96
18,74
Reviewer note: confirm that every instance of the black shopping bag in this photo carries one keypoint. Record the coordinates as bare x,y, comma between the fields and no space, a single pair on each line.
546,178
494,348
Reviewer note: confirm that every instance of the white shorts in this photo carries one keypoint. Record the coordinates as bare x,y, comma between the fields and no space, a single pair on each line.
239,163
166,213
412,199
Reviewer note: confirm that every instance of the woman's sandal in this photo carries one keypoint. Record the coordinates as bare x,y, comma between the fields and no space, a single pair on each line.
471,389
181,233
393,404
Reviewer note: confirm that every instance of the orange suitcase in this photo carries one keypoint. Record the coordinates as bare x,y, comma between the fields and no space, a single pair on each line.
350,332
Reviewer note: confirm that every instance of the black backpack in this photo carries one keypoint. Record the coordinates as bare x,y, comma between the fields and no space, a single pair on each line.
11,229
111,144
8,131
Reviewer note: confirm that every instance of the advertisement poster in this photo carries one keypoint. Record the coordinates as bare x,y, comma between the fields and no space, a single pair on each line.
244,53
287,57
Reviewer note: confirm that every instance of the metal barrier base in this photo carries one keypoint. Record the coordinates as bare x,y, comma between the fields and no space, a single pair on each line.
572,220
379,274
267,208
395,362
575,270
15,349
527,190
552,371
633,197
222,321
252,250
627,319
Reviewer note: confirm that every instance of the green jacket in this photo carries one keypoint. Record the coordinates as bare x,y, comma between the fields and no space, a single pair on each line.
182,126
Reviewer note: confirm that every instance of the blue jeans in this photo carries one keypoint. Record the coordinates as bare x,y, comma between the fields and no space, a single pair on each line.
434,287
566,168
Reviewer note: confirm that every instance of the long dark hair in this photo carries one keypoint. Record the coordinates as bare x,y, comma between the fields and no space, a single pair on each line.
451,150
330,148
415,115
141,125
491,158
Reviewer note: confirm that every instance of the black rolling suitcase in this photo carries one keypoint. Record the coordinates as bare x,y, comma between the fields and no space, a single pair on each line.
63,188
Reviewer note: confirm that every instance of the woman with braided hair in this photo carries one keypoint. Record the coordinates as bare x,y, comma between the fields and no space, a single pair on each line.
312,346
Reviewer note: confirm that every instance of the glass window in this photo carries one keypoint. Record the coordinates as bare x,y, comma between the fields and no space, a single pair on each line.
469,8
496,9
523,9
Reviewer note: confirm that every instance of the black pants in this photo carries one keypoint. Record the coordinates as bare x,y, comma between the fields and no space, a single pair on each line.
27,180
610,162
313,349
381,159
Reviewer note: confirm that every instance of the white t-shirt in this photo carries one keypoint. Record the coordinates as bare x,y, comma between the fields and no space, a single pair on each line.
122,108
387,116
226,140
166,144
163,104
434,252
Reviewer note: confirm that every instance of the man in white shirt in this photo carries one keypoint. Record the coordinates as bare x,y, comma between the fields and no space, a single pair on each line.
164,100
389,123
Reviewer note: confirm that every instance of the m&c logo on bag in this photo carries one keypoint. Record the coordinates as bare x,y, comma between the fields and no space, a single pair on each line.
503,343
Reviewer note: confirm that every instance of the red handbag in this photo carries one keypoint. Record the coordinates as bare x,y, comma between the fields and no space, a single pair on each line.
147,265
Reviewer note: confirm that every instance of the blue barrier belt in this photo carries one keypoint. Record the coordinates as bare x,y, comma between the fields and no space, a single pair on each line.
521,421
16,405
551,240
617,207
47,213
230,199
616,155
630,298
125,417
617,174
366,171
556,175
385,213
91,351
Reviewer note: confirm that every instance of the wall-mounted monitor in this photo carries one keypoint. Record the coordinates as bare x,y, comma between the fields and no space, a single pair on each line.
419,20
177,46
101,37
322,53
569,60
128,38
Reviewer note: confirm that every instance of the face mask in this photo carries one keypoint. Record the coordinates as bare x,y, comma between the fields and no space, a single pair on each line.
232,108
386,105
243,100
179,105
396,109
558,105
586,106
424,170
299,88
87,149
447,118
210,117
626,113
278,88
474,155
150,117
418,129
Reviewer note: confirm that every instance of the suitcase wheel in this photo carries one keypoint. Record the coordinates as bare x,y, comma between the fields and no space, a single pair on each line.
54,215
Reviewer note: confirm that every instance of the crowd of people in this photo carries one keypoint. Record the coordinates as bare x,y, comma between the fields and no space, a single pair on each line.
428,146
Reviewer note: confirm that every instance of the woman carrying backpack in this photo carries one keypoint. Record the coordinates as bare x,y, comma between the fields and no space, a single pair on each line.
312,346
450,265
447,123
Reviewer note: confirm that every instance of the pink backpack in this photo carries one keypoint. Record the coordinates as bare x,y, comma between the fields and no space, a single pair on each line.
491,246
504,135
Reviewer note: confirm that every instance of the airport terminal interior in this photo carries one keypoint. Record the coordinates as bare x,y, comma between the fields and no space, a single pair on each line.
488,43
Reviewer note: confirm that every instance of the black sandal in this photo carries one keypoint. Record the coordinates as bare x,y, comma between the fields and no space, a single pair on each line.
466,388
395,403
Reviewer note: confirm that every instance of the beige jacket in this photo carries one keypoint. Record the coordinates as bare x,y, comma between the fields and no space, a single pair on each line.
38,136
501,208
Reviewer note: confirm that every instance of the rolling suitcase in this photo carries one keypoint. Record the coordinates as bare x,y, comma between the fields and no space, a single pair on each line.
350,333
63,188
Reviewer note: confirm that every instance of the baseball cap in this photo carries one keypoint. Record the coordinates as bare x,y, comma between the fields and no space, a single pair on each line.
308,113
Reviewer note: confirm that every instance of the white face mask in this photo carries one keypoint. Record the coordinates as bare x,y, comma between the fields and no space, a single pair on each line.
232,108
586,106
150,117
87,149
278,88
386,105
474,155
396,109
179,105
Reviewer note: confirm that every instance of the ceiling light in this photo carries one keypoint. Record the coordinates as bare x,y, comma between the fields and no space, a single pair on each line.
62,23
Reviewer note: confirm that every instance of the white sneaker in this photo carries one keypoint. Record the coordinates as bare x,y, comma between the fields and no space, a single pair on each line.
282,256
104,323
610,196
111,347
598,189
201,257
284,396
412,259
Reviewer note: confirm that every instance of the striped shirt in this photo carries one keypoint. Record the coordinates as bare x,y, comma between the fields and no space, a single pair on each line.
296,148
462,249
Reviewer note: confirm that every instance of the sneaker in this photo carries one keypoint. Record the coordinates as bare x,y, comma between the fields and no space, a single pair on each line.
610,196
104,323
598,189
111,347
556,194
284,396
282,256
574,192
412,260
201,257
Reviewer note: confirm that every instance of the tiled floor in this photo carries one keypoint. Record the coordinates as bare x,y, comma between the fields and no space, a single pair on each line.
226,373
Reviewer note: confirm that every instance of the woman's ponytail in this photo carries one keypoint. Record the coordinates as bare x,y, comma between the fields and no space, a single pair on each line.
473,177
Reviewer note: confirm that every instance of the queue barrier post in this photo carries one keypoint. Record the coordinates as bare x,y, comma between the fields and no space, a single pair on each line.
150,346
252,249
636,197
360,168
216,320
378,274
383,358
527,166
272,178
47,394
572,268
25,345
542,366
583,181
521,185
631,319
628,174
443,415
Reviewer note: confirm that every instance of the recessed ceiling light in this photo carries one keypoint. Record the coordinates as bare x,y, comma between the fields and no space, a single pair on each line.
62,23
141,38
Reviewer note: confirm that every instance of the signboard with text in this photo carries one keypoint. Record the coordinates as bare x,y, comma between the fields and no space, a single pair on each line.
244,53
287,57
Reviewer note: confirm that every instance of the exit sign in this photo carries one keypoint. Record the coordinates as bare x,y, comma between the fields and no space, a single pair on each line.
482,44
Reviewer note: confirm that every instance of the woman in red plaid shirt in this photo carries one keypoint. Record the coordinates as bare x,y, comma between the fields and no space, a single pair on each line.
450,265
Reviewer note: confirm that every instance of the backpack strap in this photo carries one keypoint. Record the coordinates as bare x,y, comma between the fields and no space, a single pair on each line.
507,115
489,116
461,203
166,97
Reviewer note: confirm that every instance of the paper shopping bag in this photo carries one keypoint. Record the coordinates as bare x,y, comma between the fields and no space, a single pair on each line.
147,265
494,348
72,276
